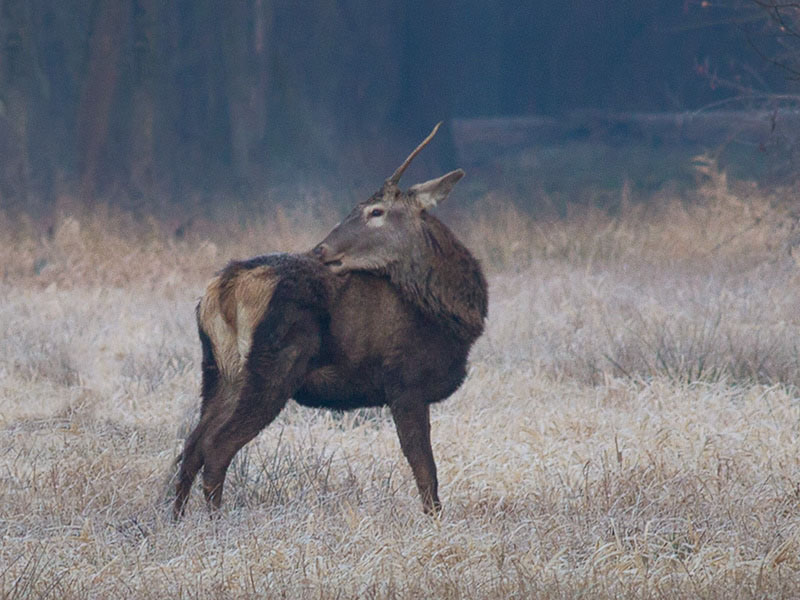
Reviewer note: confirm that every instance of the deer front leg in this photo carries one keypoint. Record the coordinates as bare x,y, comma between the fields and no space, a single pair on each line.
412,419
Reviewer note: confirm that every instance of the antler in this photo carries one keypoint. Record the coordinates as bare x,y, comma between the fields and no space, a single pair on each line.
395,178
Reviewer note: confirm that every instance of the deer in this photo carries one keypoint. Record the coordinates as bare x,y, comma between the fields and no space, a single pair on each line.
382,312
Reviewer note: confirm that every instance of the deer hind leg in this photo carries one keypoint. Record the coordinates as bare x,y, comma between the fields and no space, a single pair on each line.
412,419
191,461
275,368
193,457
214,392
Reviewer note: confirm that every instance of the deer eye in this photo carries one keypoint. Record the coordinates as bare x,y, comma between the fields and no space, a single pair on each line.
376,212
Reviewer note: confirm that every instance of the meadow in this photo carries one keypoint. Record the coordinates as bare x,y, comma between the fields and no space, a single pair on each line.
630,425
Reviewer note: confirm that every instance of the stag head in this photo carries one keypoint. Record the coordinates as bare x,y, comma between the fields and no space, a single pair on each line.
386,227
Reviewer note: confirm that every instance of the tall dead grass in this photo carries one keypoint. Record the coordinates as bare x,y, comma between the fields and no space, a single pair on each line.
629,427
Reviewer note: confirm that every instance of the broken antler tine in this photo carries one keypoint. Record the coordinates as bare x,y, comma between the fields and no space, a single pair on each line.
395,178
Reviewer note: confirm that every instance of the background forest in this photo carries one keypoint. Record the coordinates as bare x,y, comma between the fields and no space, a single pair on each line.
145,103
630,423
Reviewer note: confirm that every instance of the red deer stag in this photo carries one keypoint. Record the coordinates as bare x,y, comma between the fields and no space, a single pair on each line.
382,312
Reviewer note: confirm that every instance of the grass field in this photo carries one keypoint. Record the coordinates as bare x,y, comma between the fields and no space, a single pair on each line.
630,426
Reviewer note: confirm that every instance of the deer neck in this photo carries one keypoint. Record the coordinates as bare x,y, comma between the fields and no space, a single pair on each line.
443,280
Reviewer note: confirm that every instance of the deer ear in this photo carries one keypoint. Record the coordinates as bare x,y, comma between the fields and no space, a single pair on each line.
430,193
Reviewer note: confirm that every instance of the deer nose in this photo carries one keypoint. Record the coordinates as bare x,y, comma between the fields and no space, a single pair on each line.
320,251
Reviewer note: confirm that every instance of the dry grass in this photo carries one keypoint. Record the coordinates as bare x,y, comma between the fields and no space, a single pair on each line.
630,426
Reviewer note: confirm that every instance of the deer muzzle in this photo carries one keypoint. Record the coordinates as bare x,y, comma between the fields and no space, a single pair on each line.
323,253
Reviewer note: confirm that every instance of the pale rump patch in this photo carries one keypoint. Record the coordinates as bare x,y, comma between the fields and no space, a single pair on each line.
244,330
229,312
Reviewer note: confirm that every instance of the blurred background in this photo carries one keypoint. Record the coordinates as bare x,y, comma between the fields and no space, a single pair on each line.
150,105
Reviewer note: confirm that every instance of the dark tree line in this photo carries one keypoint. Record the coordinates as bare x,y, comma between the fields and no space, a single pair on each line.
145,101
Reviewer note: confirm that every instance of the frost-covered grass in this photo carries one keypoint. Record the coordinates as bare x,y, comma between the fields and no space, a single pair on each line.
630,426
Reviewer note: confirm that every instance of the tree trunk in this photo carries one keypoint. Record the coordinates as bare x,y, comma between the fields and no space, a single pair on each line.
246,41
18,70
142,127
94,112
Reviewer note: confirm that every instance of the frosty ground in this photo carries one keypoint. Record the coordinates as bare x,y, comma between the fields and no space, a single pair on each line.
629,426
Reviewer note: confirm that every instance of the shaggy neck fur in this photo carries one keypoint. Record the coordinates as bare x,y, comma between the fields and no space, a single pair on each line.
443,280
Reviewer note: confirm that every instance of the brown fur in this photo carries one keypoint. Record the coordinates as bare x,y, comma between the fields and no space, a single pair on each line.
382,312
449,287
